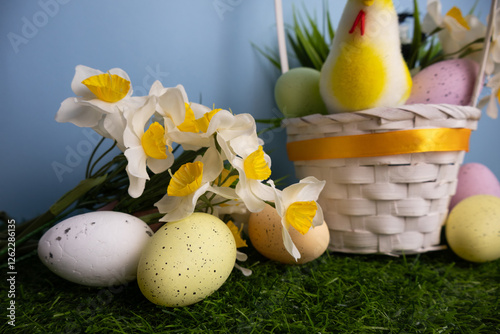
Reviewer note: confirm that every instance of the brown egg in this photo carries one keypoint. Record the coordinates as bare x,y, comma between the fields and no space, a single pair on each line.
264,230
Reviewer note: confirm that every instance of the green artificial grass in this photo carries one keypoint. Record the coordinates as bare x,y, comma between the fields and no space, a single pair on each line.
430,293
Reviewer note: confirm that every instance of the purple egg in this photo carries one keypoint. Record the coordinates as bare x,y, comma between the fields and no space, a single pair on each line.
475,179
449,81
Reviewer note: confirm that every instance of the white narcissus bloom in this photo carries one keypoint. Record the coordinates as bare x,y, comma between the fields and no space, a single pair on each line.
189,183
457,30
101,98
297,206
145,148
247,156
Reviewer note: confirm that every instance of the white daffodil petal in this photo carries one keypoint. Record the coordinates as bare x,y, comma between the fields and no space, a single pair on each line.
183,91
495,51
212,164
307,189
103,106
190,141
289,245
130,139
183,207
244,189
172,106
278,199
157,89
136,159
115,125
433,18
244,145
261,190
226,192
158,166
168,204
492,108
318,219
220,121
137,120
73,111
136,185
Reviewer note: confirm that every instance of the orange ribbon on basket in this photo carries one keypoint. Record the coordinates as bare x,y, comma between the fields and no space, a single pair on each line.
380,144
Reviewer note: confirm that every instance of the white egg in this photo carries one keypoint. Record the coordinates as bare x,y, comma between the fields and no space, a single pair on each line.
95,249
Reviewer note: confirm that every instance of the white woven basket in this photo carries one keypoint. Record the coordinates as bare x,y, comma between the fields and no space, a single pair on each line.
388,204
376,203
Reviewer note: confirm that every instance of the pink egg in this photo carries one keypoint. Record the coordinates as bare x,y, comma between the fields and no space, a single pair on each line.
475,179
449,81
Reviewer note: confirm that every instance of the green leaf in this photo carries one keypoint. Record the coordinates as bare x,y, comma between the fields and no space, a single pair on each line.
306,44
272,58
417,37
71,196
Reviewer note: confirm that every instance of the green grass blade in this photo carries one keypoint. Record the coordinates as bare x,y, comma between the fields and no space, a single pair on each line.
417,37
273,59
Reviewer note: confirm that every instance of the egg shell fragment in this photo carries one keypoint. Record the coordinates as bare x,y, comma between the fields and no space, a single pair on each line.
449,81
99,249
475,179
473,228
265,233
186,261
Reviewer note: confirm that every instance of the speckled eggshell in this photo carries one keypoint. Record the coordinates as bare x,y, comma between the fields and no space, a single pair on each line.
265,233
473,228
449,81
475,179
186,261
95,249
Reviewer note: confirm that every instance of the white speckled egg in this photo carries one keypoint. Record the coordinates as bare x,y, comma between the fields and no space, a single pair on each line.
449,81
98,249
473,228
265,233
475,179
186,261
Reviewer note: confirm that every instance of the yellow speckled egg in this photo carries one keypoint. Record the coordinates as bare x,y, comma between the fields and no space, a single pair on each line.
186,260
265,233
473,228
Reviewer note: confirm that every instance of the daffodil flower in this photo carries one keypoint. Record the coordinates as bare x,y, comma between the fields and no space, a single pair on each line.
494,56
254,166
101,98
189,183
145,148
297,206
456,31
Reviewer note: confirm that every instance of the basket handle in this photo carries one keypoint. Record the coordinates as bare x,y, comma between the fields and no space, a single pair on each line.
280,29
486,49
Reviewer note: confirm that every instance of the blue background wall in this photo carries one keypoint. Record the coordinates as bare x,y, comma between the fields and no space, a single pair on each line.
203,44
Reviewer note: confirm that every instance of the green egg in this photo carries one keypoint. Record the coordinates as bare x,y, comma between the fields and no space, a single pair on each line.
297,93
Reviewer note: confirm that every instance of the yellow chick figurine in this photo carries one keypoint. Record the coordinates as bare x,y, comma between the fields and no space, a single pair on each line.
365,68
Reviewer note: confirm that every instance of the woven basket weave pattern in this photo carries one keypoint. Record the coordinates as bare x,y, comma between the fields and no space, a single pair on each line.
388,204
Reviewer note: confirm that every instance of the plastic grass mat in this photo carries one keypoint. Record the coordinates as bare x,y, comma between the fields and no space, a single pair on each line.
430,293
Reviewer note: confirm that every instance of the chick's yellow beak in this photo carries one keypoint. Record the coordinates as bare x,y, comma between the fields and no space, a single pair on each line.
368,2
